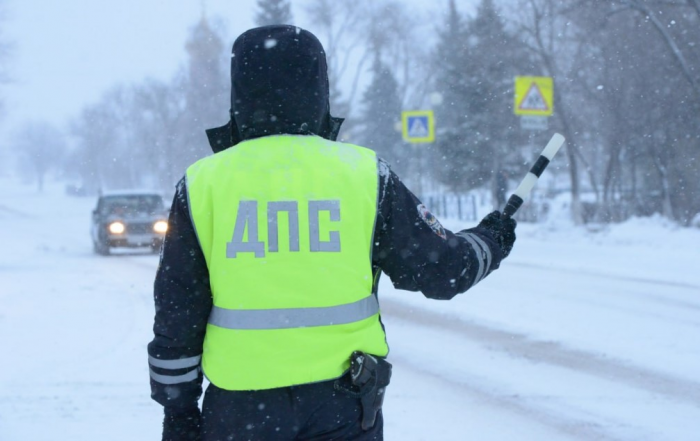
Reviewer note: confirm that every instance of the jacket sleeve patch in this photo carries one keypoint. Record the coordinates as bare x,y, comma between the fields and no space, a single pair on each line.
431,221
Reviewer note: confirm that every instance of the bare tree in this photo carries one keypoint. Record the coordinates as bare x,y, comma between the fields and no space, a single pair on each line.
354,34
206,87
642,7
160,108
40,148
646,64
345,47
108,153
393,34
547,38
148,134
695,4
272,12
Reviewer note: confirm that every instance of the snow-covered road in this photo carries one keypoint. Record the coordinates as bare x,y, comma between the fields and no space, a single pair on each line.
578,336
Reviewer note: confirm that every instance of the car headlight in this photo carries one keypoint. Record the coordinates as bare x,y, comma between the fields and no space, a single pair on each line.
116,228
160,227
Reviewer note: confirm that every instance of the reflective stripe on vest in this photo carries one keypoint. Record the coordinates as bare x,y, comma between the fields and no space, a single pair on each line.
286,226
294,317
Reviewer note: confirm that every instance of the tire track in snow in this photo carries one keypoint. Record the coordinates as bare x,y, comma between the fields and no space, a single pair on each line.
520,346
656,298
138,261
577,429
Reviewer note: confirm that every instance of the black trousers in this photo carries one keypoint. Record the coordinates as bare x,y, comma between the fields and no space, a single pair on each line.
308,412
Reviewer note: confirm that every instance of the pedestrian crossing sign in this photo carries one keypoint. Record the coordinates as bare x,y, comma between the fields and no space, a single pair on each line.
534,96
418,126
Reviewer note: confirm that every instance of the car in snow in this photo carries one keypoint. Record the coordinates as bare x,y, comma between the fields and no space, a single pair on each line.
128,219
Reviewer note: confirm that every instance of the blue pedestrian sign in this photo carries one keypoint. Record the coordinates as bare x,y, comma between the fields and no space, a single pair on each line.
418,126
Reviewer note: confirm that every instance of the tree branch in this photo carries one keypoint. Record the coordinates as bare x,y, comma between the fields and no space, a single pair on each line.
678,55
695,4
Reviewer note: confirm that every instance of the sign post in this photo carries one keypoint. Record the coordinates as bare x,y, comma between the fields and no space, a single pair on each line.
418,127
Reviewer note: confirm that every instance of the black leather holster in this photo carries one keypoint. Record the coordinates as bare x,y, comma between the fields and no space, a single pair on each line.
369,377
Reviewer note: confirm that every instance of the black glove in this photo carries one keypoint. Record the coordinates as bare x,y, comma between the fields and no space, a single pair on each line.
503,230
182,424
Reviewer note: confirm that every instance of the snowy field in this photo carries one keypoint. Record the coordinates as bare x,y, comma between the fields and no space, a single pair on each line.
579,336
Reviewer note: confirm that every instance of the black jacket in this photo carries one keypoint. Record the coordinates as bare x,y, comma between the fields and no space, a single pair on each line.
410,246
280,86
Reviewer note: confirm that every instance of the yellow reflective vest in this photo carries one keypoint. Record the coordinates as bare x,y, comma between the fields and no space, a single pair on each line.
286,226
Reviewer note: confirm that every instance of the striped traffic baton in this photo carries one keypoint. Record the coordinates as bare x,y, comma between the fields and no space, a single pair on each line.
516,199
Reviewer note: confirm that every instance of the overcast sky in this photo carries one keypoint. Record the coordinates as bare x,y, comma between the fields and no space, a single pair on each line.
69,52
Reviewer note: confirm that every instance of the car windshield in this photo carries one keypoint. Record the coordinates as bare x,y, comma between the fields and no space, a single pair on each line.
128,205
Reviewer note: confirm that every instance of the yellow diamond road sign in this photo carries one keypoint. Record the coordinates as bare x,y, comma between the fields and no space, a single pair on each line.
418,126
534,96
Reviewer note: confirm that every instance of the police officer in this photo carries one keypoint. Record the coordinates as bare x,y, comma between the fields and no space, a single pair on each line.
267,283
